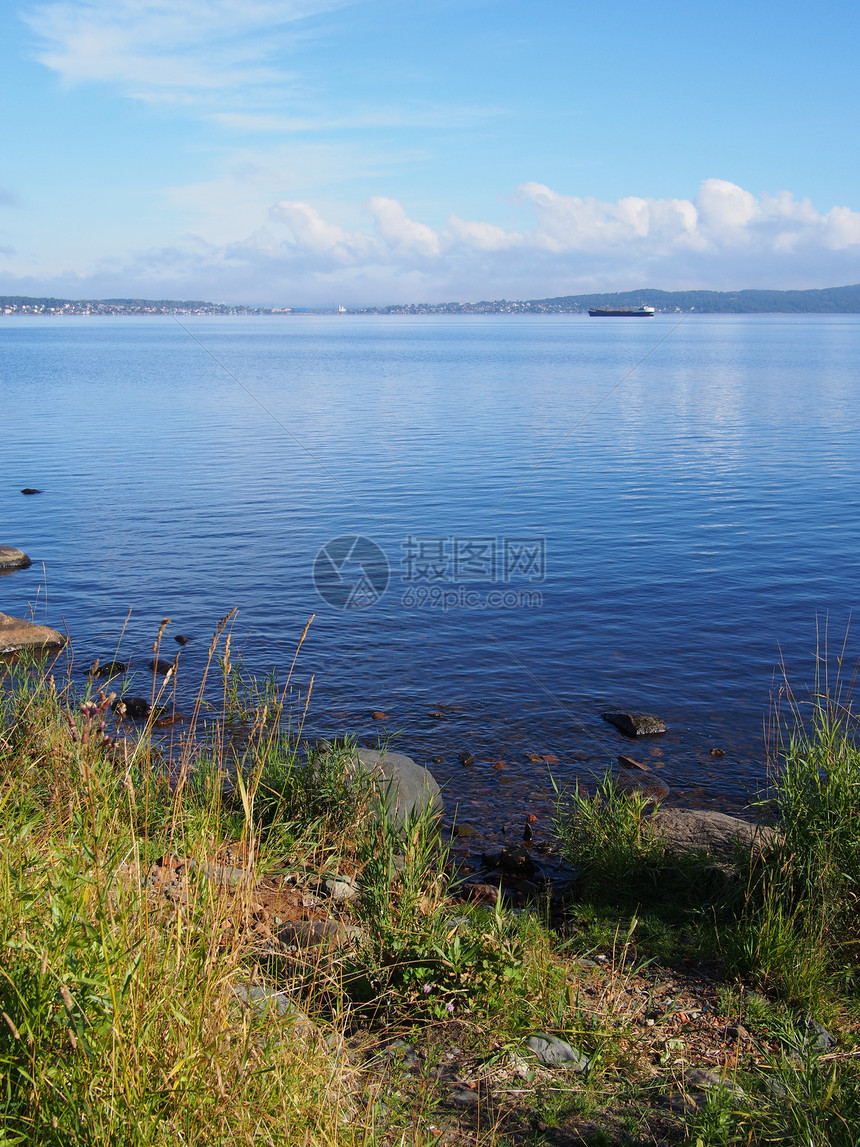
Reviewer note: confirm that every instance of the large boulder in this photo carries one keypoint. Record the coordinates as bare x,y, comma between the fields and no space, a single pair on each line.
405,787
715,833
17,634
12,559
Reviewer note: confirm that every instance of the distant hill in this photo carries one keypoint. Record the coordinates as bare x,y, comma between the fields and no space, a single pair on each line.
831,300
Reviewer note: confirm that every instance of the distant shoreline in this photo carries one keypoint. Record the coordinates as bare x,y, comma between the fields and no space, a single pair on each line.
829,301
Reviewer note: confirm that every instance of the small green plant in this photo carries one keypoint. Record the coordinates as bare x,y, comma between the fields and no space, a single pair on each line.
608,840
799,926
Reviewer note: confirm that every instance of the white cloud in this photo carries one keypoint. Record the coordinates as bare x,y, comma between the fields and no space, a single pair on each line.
309,232
156,49
724,207
402,234
725,238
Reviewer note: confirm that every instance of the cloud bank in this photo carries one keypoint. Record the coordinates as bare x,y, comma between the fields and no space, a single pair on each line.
724,238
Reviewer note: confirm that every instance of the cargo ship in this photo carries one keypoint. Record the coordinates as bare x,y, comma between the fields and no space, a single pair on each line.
621,312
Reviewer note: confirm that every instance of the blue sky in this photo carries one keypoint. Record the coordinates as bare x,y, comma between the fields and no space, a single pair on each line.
372,151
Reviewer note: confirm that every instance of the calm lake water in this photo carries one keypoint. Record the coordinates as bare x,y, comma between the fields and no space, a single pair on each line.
576,515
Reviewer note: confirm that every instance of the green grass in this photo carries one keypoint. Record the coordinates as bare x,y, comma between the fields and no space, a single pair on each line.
120,1021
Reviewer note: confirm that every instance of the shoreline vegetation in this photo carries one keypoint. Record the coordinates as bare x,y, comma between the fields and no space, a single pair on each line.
244,942
829,300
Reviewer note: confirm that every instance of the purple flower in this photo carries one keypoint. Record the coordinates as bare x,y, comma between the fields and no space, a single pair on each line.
427,989
450,1007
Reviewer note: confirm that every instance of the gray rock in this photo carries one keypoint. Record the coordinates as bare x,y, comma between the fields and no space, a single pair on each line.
406,788
636,724
714,833
704,1080
466,1097
17,634
341,889
12,559
306,933
818,1038
264,1001
225,874
680,1103
405,1053
774,1085
552,1051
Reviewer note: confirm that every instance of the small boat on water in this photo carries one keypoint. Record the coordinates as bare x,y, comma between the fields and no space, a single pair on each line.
621,313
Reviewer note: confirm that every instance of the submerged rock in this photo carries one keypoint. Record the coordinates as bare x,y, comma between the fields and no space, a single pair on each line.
30,490
161,666
13,559
631,763
513,860
635,724
16,634
650,788
109,669
137,708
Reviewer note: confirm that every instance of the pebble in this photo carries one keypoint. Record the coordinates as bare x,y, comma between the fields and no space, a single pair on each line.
464,830
341,889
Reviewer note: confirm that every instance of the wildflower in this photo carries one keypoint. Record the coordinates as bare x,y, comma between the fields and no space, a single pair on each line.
450,1007
427,989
